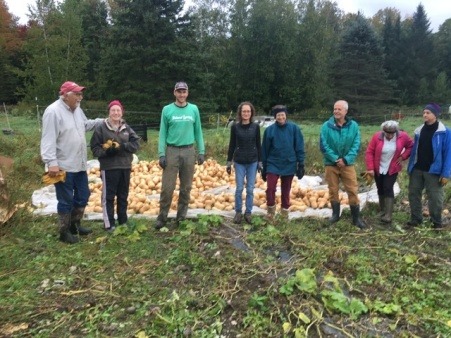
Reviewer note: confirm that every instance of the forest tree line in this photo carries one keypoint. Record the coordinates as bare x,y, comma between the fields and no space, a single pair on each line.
302,53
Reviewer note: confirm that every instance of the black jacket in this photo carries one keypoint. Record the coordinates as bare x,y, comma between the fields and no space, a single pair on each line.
245,144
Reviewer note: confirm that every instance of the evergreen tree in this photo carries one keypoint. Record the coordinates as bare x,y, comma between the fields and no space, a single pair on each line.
94,30
443,50
149,48
319,25
359,75
266,56
419,62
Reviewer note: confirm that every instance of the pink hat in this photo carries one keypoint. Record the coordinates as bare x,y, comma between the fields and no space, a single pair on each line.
70,86
115,103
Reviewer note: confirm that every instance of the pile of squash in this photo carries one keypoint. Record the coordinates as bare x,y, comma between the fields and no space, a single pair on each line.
212,189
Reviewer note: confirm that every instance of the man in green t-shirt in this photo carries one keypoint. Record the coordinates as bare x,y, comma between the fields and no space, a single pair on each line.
180,127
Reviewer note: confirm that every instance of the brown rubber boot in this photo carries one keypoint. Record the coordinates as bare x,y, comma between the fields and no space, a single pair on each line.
284,214
75,220
65,235
271,212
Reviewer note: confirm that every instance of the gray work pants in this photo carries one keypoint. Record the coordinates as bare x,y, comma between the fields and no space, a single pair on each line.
420,180
179,161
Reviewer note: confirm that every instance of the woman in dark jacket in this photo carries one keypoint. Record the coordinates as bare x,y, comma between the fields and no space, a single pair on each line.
244,151
114,143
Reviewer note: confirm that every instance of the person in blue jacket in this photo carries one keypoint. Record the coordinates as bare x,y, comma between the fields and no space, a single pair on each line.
340,144
282,157
429,167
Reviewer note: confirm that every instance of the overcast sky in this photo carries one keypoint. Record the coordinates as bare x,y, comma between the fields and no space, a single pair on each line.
437,11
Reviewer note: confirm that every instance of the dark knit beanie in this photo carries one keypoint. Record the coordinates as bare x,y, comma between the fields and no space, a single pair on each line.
276,110
434,108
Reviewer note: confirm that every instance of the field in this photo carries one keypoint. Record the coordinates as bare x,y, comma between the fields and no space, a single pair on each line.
212,278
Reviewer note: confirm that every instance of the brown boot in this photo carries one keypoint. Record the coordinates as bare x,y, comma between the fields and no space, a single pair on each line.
75,220
237,218
65,234
271,212
284,214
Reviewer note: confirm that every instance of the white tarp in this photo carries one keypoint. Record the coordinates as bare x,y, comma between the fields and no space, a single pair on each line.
45,200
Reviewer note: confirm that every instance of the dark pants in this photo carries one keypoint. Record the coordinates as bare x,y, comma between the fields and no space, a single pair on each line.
271,184
116,183
420,180
73,193
385,183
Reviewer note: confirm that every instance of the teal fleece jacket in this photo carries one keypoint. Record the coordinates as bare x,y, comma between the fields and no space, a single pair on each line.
340,142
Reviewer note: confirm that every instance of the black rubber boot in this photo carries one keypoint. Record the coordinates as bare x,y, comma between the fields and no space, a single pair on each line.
381,206
160,223
75,220
335,212
355,212
389,203
65,234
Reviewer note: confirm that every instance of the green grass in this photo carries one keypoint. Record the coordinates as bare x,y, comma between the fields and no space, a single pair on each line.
211,277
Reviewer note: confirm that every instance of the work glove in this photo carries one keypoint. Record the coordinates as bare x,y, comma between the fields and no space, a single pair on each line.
367,177
229,167
60,177
259,167
300,171
111,151
110,144
443,181
200,159
263,174
162,162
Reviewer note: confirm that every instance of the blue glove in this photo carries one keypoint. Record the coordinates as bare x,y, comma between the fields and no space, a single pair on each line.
162,162
200,159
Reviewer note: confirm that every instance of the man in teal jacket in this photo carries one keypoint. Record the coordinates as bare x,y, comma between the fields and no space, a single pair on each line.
180,127
340,144
429,167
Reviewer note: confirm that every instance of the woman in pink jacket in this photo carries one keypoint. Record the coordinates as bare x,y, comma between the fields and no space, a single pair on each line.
384,155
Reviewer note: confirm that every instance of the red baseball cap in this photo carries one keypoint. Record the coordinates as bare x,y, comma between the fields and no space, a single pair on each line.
70,86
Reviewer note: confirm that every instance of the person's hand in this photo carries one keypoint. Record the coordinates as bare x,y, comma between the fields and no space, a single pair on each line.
111,151
443,181
300,171
229,167
200,159
259,167
370,172
162,162
399,160
340,163
53,171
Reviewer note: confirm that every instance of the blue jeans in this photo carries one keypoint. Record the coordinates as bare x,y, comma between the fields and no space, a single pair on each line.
74,193
250,172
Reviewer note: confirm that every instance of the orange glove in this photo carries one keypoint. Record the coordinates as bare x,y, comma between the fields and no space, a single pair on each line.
60,177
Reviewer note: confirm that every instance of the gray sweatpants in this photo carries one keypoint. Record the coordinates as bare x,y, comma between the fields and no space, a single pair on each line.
420,180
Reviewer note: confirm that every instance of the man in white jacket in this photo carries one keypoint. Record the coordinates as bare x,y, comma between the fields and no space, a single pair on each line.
63,148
